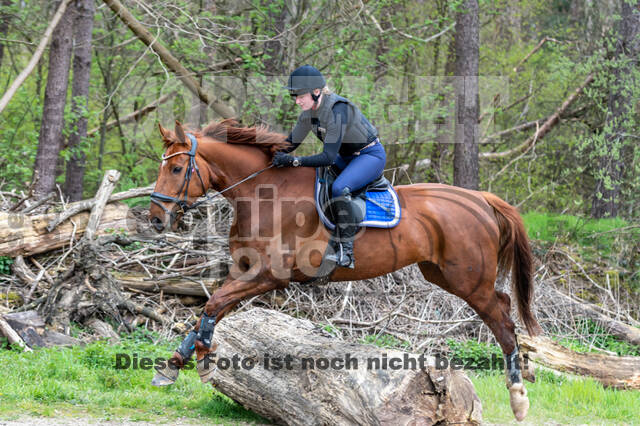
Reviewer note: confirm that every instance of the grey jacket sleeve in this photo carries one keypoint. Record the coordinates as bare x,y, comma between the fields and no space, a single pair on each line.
300,131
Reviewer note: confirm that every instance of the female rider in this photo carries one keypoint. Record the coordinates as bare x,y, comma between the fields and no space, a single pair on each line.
351,145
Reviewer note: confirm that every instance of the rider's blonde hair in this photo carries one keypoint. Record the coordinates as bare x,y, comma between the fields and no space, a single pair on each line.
325,90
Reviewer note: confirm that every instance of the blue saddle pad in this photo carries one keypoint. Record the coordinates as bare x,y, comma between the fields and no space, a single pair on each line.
379,207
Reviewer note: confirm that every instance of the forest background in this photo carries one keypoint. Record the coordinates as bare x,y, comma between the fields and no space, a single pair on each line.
395,59
557,136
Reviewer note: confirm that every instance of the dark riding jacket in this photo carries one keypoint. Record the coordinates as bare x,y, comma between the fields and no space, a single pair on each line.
339,124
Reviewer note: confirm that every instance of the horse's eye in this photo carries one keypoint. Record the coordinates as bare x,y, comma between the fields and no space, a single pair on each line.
177,170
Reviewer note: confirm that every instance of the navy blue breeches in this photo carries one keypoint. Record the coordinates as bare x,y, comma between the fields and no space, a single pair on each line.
359,170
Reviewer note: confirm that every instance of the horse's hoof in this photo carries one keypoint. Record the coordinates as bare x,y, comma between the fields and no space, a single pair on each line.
519,401
206,367
165,376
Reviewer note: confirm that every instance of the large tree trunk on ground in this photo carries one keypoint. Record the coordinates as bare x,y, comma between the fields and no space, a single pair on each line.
358,395
50,139
27,235
615,371
467,40
80,94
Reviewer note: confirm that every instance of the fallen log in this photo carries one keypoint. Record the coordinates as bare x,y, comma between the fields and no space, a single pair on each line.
27,235
294,372
621,372
170,286
77,207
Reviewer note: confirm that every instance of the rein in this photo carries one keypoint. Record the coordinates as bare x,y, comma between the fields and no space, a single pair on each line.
157,197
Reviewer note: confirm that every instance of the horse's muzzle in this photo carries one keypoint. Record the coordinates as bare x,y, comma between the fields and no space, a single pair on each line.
157,223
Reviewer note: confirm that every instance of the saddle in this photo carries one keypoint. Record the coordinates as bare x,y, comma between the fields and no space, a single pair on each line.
376,204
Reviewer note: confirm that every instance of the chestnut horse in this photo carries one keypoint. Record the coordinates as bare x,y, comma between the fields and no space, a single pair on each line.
460,239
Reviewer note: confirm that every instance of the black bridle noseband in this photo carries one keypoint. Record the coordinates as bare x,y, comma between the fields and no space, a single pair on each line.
183,204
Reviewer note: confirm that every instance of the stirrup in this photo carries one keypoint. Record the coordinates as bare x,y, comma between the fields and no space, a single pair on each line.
341,258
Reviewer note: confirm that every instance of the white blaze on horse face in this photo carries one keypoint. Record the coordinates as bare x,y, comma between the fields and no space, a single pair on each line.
164,163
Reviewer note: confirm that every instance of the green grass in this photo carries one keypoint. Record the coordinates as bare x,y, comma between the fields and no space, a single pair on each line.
598,233
5,265
83,381
558,400
593,240
553,398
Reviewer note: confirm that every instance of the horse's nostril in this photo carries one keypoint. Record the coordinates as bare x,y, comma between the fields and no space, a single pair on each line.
157,223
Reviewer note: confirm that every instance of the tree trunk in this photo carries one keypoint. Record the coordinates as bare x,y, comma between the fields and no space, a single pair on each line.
4,27
274,49
619,123
50,139
28,235
85,10
465,162
294,372
35,59
442,136
616,371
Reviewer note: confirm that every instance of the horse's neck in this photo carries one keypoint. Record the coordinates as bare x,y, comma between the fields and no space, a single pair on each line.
233,162
236,162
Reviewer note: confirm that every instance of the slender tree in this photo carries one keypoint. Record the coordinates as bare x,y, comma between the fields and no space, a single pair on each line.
4,26
465,162
620,124
274,48
83,26
50,139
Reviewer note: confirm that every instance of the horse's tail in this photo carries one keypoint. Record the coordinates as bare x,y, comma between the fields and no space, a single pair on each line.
515,255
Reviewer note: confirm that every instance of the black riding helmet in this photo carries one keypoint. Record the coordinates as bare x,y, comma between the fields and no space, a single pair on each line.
305,79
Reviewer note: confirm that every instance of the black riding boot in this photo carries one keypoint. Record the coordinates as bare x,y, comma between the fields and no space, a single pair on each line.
346,229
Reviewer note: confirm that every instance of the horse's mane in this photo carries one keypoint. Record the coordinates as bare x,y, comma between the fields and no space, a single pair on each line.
230,131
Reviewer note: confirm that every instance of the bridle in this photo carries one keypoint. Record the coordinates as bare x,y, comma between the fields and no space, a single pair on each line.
183,204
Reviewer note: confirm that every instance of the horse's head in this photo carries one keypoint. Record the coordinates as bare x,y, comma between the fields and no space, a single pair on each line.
182,178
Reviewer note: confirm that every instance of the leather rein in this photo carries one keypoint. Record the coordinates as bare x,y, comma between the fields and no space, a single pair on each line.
157,197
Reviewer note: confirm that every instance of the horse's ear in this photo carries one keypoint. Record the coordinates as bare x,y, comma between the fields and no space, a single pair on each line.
164,132
180,133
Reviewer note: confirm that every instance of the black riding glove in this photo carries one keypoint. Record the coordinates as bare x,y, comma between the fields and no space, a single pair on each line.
280,159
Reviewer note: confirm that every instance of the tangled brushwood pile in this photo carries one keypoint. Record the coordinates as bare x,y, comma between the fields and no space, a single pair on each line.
97,274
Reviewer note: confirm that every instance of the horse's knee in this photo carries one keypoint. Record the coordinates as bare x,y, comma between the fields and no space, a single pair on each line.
212,306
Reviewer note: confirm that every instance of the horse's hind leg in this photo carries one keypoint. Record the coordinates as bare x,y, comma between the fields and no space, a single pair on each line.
493,307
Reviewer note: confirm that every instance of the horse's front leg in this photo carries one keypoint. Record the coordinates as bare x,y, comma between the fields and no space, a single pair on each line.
200,338
221,302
